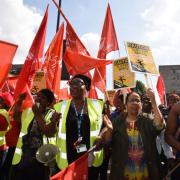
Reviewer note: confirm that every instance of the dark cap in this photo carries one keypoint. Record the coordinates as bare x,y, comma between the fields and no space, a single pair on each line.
86,80
49,95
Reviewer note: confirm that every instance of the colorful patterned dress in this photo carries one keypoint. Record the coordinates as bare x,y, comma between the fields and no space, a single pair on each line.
136,167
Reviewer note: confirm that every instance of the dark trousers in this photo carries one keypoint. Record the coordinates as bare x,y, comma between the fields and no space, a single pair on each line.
93,173
103,169
2,157
2,160
7,164
176,174
98,173
33,171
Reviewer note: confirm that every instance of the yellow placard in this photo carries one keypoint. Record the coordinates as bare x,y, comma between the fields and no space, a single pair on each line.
141,59
39,82
122,76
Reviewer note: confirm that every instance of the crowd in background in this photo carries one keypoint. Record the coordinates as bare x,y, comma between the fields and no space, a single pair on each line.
134,138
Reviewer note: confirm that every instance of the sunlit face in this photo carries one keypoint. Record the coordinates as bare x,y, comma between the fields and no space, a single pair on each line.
77,87
134,105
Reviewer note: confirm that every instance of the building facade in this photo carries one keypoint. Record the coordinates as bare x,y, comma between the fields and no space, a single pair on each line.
171,76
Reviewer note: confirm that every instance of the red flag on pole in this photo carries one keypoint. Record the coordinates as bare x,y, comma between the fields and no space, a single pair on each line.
78,170
161,88
33,61
7,52
108,43
64,94
73,43
9,85
80,64
53,62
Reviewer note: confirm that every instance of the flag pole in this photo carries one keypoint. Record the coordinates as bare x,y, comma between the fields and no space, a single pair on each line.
59,9
106,94
58,17
147,80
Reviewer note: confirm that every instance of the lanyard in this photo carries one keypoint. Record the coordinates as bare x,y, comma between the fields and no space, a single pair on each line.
79,117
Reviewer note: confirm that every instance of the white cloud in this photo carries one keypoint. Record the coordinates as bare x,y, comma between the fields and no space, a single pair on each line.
91,42
162,20
18,25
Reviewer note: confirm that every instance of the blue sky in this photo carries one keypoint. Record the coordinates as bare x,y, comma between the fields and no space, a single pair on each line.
152,22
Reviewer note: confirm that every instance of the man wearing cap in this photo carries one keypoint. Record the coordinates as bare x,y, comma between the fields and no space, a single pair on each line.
5,103
80,125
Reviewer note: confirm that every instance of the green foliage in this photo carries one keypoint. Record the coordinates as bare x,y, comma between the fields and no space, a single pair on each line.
140,88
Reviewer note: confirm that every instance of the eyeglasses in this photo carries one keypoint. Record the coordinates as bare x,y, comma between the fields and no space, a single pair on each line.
132,101
76,84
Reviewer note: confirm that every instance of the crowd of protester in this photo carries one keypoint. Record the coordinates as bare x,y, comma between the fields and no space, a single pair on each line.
134,138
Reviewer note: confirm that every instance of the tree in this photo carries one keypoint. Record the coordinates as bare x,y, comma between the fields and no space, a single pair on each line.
140,88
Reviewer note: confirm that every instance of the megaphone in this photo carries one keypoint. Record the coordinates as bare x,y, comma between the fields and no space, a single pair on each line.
46,154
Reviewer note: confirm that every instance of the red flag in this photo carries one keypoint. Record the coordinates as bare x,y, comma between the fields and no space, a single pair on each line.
72,40
33,60
10,85
161,88
93,93
108,43
78,170
7,52
53,62
63,94
80,64
73,43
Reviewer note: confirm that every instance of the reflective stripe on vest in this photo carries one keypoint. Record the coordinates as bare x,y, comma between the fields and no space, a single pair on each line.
2,133
95,108
26,119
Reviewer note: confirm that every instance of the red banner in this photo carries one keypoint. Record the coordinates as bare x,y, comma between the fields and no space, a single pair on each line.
78,170
7,52
108,43
53,62
33,61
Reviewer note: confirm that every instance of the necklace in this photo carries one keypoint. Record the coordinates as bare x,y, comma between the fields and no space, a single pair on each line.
78,109
131,123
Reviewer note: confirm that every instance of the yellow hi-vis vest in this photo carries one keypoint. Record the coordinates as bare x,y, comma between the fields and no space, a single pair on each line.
3,133
26,119
95,108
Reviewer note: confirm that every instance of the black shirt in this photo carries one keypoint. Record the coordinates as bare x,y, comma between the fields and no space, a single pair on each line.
72,134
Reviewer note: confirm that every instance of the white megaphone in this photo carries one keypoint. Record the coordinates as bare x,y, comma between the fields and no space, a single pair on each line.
46,154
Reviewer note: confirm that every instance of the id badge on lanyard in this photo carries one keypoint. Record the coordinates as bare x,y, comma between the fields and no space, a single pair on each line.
78,145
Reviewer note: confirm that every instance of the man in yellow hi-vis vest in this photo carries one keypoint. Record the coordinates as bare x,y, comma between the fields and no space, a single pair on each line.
80,125
37,123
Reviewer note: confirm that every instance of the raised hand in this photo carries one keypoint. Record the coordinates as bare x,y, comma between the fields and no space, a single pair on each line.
151,95
107,122
56,117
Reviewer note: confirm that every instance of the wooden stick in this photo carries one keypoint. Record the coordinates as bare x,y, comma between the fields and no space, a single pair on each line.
171,171
147,80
